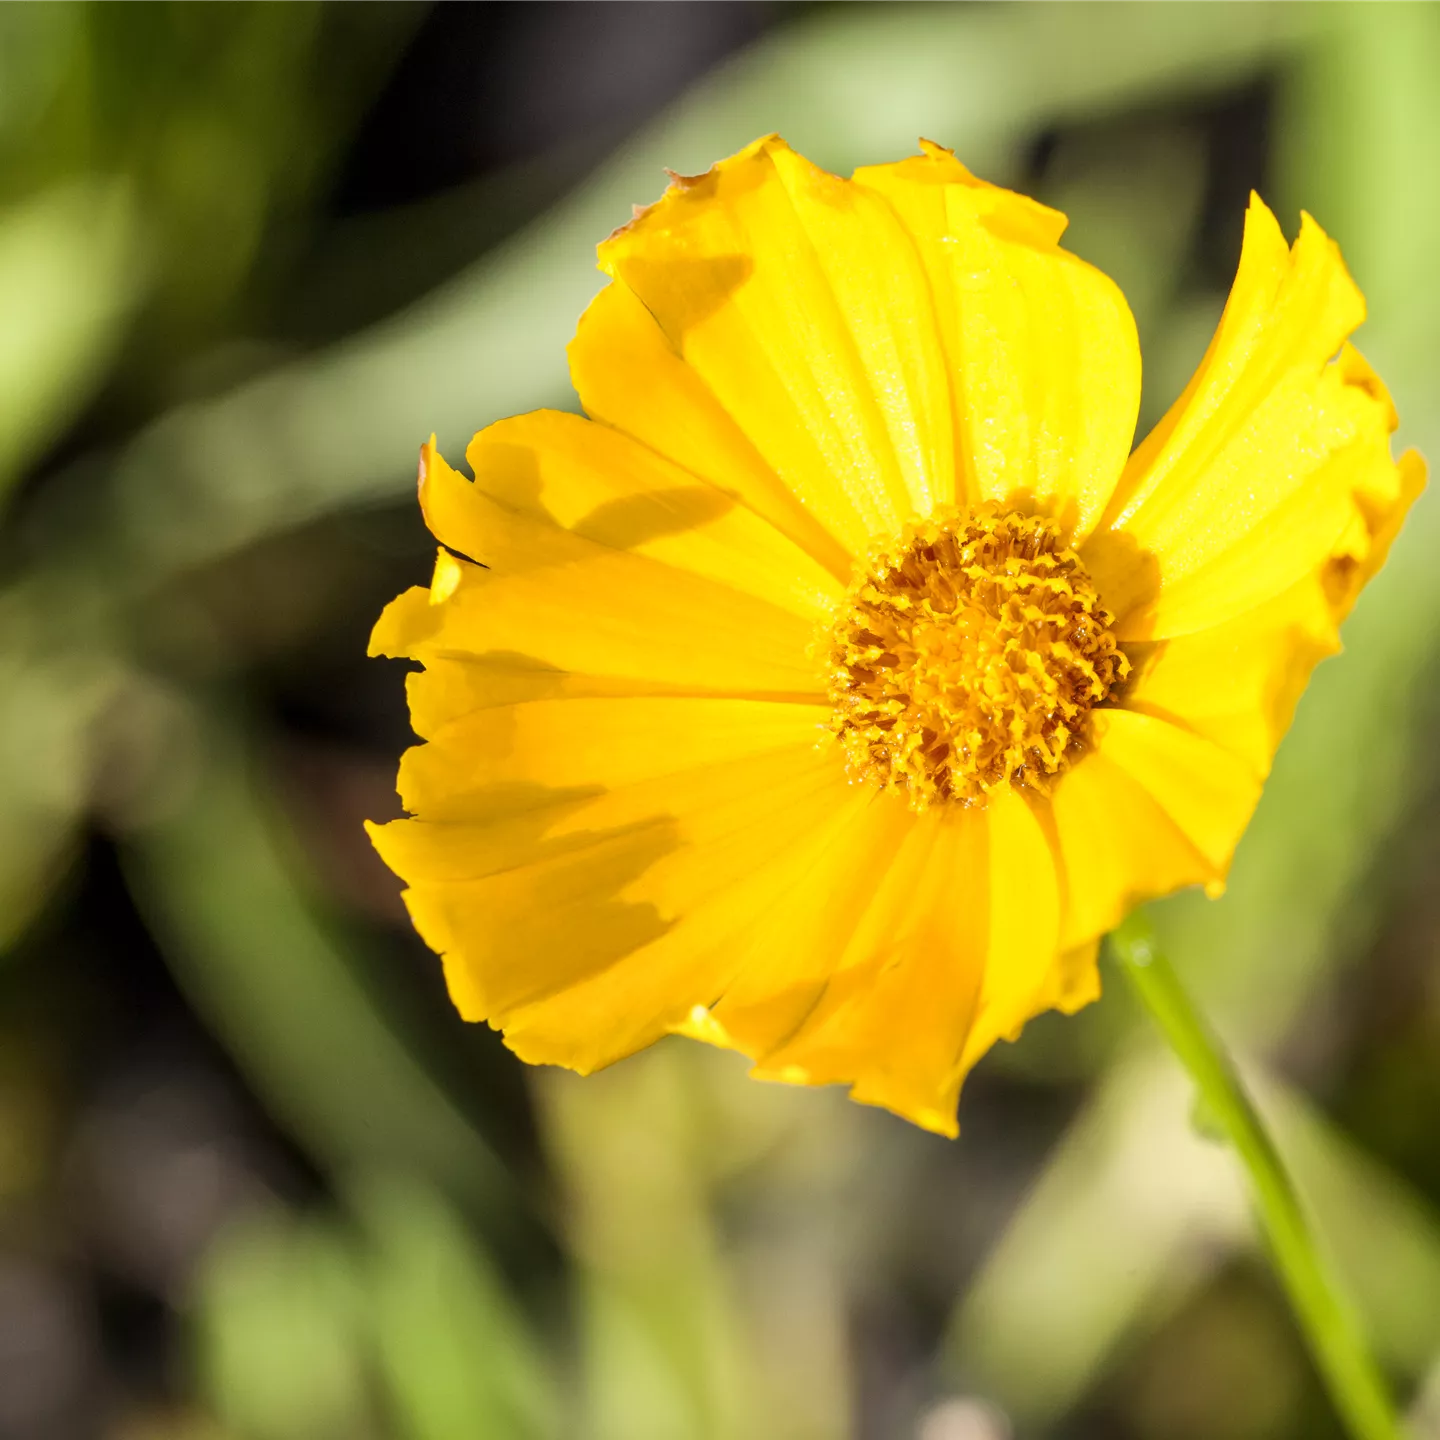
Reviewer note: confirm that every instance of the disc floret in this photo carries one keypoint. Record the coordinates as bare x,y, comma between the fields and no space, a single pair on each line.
969,655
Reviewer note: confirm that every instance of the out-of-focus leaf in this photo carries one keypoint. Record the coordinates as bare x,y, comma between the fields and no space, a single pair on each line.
71,273
280,1327
50,701
1358,145
457,1354
37,44
849,86
1133,197
226,119
1385,1239
306,1330
150,154
664,1348
221,887
1136,1210
1424,1416
1133,1210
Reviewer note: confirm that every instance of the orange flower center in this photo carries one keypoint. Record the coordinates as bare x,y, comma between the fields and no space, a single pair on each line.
970,656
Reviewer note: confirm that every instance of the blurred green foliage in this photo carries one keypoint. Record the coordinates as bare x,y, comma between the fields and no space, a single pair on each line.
296,1319
683,1253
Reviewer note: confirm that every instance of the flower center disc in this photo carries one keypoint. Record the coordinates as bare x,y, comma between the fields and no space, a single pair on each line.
970,656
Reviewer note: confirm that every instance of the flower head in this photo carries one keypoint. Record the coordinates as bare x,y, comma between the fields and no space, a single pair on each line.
834,687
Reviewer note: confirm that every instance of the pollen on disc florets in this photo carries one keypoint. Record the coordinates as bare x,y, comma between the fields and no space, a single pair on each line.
968,656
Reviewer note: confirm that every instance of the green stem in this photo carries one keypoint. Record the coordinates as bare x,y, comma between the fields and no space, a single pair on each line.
1344,1363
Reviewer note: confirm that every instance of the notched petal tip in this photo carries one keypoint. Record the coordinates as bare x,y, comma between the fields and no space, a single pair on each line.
947,1126
1273,463
700,1024
428,476
679,186
1358,371
428,452
1006,213
405,623
1261,236
1347,574
937,1120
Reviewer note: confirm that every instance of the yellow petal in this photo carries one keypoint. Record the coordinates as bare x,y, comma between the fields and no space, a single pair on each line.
1267,466
451,686
595,744
558,601
893,1018
1023,936
1074,979
789,959
955,950
740,900
1206,791
1042,346
628,376
588,925
1116,848
800,302
1151,808
1348,574
608,488
1237,684
521,932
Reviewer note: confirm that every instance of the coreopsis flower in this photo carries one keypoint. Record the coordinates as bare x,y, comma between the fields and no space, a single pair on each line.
837,684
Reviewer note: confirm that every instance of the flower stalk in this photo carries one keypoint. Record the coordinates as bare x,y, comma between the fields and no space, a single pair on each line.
1330,1329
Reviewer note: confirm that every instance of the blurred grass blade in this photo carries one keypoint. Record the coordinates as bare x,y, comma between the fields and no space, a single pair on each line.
279,1319
38,45
457,1353
220,889
1358,145
70,277
50,701
1385,1238
665,1352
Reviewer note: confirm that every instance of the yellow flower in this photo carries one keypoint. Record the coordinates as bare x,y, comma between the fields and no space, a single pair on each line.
832,689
